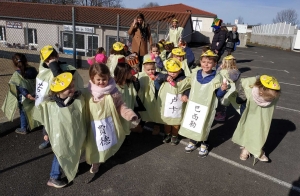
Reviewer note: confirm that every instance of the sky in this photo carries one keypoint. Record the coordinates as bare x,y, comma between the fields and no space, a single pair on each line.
253,11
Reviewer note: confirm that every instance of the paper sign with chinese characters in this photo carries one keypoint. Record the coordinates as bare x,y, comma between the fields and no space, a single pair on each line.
194,117
40,91
173,106
104,132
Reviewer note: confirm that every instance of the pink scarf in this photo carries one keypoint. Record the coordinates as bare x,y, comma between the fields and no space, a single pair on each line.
258,99
99,92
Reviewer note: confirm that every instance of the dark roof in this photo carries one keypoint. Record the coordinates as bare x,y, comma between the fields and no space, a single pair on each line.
85,14
182,8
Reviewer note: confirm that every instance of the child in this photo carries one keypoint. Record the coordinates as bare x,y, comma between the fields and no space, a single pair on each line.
63,115
178,53
126,50
172,93
50,67
105,135
21,93
148,94
259,96
190,57
129,86
154,55
100,57
197,64
116,53
230,75
169,46
198,118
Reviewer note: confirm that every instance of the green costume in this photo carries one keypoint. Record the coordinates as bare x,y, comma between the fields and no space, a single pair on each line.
147,96
169,102
231,94
253,128
201,109
128,96
163,55
105,135
44,78
175,35
112,62
66,128
11,101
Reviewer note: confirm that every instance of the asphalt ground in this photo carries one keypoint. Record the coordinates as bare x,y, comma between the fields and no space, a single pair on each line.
145,166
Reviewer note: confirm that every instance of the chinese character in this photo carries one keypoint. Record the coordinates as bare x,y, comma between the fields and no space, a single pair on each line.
195,117
197,108
174,109
192,124
174,99
102,130
40,87
105,140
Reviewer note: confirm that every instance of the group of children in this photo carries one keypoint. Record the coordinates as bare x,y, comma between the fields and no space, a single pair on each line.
166,94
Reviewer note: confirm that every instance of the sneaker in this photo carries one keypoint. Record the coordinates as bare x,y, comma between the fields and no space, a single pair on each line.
203,150
56,183
221,116
167,138
22,131
95,168
174,140
189,148
44,145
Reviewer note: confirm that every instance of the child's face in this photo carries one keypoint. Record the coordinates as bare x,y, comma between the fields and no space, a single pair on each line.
150,69
180,58
155,50
100,81
68,92
207,64
173,74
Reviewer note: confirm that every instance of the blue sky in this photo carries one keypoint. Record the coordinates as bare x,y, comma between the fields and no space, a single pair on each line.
253,11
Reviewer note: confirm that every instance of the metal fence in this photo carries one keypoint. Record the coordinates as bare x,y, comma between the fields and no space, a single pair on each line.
275,29
29,36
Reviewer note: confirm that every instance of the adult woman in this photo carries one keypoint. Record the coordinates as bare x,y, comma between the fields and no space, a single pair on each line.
141,35
219,40
232,40
175,33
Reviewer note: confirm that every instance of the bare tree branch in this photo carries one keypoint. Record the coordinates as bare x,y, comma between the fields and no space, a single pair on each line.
288,16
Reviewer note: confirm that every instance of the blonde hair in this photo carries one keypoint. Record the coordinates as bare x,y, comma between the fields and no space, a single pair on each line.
266,93
229,64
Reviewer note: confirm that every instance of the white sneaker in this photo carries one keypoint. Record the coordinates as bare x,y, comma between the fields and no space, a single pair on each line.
203,150
95,168
189,148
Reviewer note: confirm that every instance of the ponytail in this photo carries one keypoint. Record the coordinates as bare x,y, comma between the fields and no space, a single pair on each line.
20,62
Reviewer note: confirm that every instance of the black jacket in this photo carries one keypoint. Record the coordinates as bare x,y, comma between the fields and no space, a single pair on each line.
219,37
230,37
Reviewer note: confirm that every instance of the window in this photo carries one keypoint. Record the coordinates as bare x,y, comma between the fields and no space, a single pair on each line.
197,25
92,45
68,41
2,33
31,36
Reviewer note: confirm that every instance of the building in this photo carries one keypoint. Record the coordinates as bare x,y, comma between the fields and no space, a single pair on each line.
33,25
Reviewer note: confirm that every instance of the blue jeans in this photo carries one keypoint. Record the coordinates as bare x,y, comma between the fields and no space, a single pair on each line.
23,118
55,169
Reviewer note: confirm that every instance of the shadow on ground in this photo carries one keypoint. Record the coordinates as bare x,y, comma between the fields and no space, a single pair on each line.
295,190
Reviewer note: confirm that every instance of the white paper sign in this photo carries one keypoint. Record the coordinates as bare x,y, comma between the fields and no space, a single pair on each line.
104,132
40,91
195,116
173,106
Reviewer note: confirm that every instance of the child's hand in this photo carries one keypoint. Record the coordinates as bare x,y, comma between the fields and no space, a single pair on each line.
133,78
169,79
30,97
53,60
184,98
46,138
224,86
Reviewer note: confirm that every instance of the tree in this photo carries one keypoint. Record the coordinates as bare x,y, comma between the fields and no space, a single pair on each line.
240,20
288,16
150,4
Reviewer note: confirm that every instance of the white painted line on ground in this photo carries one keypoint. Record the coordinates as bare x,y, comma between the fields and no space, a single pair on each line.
269,68
289,84
253,171
249,55
264,61
289,109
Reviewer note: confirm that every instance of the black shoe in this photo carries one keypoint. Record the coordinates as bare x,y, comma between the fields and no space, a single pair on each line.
174,140
44,145
167,138
56,183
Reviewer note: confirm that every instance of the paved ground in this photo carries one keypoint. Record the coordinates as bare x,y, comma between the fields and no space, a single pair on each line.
145,166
